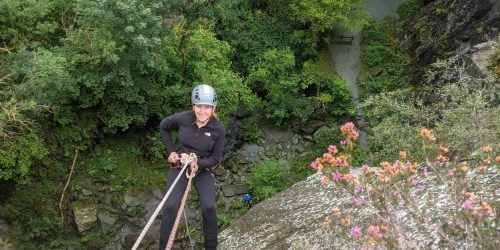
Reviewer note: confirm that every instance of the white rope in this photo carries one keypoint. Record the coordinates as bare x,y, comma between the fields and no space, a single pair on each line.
153,217
171,237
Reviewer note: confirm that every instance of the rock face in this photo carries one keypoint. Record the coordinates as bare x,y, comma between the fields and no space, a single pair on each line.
85,212
445,28
293,219
290,220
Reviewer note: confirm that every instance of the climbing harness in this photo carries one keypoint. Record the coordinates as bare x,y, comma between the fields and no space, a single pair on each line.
185,160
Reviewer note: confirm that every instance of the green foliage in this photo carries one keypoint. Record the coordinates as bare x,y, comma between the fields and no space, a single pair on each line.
469,117
153,148
46,80
16,116
272,79
324,136
224,221
4,244
261,32
266,179
41,228
385,110
385,66
32,23
324,15
103,163
464,113
294,98
75,135
300,165
252,131
408,9
240,207
204,60
118,72
94,239
18,155
33,202
120,163
331,96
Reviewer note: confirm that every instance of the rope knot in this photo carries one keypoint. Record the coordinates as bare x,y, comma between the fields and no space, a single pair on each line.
187,158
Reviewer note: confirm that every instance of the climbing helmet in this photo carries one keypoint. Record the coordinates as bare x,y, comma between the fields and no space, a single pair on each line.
205,95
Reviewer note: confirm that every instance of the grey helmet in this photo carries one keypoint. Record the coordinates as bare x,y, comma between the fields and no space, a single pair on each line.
205,95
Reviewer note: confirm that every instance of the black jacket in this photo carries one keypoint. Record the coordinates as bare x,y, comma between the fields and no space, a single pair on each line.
207,142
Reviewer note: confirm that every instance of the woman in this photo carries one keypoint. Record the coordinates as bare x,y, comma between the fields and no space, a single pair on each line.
200,132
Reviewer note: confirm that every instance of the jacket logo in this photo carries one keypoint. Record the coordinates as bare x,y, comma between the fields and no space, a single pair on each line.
207,134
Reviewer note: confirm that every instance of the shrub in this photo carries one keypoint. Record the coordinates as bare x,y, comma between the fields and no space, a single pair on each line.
153,148
464,112
295,98
386,66
408,9
251,131
469,216
18,155
41,228
266,179
392,117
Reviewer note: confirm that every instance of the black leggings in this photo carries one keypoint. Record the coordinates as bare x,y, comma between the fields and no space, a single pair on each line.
204,181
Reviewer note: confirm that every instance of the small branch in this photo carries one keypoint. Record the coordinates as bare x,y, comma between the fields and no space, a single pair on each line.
61,202
6,49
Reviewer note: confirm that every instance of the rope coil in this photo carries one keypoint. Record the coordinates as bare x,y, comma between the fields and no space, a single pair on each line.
185,160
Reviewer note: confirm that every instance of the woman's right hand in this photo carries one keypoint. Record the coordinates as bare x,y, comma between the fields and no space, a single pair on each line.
173,157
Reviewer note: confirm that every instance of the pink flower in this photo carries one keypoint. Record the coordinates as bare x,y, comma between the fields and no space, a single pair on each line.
353,135
314,165
356,232
360,189
451,172
357,201
467,204
375,231
327,155
346,128
366,167
343,143
333,149
337,176
371,230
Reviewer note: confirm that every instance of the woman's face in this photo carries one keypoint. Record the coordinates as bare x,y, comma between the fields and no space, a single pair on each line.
203,112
